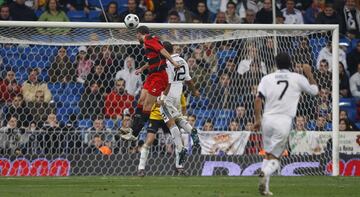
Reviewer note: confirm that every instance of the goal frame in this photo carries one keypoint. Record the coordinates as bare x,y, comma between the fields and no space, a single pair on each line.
274,27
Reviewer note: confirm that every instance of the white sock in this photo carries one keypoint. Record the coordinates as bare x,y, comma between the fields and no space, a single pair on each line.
144,153
271,167
267,188
177,158
175,132
185,125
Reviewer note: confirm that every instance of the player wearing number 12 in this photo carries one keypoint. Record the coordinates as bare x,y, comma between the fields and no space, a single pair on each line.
281,91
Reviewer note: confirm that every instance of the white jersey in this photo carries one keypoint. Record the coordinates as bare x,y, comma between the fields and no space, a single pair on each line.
282,90
177,77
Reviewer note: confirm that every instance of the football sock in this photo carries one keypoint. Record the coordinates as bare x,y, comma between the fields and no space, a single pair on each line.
177,159
138,122
184,124
175,132
143,156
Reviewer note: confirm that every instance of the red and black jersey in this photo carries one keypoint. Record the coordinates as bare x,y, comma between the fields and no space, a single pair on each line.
153,46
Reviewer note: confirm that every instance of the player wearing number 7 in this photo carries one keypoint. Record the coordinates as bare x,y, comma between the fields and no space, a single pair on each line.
281,91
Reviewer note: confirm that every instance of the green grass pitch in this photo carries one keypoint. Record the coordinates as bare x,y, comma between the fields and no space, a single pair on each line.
313,186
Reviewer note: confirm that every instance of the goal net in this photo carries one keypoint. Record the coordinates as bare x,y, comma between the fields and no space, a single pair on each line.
74,86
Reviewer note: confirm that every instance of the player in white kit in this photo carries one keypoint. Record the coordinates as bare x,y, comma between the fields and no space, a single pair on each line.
280,91
170,103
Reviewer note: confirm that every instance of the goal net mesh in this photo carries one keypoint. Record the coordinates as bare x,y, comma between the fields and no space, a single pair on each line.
68,99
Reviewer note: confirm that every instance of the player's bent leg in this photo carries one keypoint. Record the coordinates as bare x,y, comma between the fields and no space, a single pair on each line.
138,122
176,134
189,129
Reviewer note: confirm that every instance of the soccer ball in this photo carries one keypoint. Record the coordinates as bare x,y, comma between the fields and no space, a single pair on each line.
131,21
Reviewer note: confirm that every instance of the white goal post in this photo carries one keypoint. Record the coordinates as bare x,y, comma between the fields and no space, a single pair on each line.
12,32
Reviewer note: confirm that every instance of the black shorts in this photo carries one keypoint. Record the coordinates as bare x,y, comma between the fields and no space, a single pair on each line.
155,125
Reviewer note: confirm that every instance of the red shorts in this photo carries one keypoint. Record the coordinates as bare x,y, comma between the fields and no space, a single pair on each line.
156,83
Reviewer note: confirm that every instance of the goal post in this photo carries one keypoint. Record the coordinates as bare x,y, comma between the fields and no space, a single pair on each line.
31,44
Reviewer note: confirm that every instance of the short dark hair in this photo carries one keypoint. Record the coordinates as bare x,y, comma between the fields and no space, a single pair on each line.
283,61
168,46
231,3
143,30
173,13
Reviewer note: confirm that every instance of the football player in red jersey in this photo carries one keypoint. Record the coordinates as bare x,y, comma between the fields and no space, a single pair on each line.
157,79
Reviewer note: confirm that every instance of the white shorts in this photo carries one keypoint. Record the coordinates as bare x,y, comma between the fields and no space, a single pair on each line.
168,110
276,130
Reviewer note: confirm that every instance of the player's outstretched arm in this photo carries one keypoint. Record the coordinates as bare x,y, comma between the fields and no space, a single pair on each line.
309,86
258,107
308,74
167,55
140,70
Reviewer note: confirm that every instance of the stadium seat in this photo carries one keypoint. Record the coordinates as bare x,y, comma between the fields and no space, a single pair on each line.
78,16
85,123
109,123
55,88
74,88
94,16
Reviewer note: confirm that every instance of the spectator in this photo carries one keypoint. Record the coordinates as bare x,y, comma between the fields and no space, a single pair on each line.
324,106
192,120
320,124
184,13
353,59
249,17
230,13
53,12
300,123
249,126
344,82
62,70
230,68
223,94
220,18
280,19
9,88
92,102
149,17
107,59
12,139
202,13
328,16
98,76
234,126
5,13
132,9
344,115
323,76
39,109
208,126
20,12
98,146
241,116
133,81
350,19
326,53
83,64
264,16
355,83
99,129
32,85
173,17
111,14
118,101
312,12
51,123
344,125
291,14
302,53
19,110
78,5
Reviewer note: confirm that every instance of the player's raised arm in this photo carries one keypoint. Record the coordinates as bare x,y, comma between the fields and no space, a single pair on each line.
258,103
167,55
309,86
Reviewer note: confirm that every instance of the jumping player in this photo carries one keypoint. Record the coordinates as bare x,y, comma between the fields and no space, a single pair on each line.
281,91
157,79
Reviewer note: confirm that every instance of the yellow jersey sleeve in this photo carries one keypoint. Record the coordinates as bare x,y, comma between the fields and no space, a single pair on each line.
183,100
